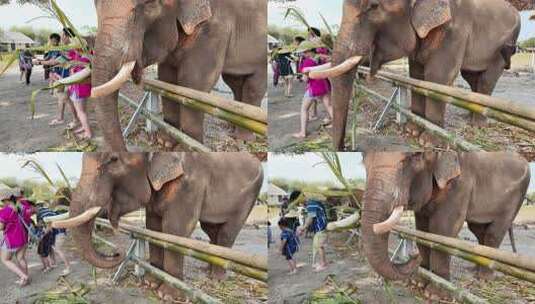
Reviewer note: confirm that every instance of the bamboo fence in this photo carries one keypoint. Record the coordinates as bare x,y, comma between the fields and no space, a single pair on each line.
171,130
519,266
430,127
246,116
518,114
252,263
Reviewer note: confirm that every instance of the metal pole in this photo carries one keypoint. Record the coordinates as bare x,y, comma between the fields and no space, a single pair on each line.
128,128
153,106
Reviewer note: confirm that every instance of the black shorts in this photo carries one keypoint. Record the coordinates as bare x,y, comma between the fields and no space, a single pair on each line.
45,245
289,254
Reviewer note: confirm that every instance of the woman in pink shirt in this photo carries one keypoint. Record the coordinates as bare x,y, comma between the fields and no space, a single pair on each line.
79,95
317,89
14,239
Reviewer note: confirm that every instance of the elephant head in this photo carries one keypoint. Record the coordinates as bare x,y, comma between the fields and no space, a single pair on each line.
377,31
117,183
133,34
397,181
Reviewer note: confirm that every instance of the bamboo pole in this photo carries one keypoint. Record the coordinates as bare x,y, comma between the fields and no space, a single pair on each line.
498,115
238,108
500,104
510,258
214,260
514,271
458,293
428,126
250,260
174,132
241,121
192,293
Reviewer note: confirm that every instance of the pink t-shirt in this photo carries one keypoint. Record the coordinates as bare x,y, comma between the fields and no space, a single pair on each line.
316,87
15,235
82,90
26,211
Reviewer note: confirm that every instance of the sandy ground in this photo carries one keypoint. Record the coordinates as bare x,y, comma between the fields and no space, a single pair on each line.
19,134
284,120
237,288
347,267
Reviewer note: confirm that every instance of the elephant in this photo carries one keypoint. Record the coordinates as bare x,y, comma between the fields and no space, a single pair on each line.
440,37
177,190
194,42
446,189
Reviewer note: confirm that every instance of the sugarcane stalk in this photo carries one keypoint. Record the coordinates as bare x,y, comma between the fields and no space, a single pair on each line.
510,258
429,126
238,108
500,104
194,294
214,260
241,121
250,260
458,293
474,258
171,130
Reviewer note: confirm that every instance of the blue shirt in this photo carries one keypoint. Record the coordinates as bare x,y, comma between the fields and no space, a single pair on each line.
292,241
316,210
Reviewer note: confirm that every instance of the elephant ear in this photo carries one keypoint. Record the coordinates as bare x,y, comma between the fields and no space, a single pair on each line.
191,13
447,167
429,14
163,168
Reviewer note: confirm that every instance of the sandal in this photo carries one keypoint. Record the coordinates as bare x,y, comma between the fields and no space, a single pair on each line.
24,282
83,136
56,122
66,272
71,125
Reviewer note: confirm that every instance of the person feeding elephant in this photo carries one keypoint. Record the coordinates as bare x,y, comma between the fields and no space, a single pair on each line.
317,220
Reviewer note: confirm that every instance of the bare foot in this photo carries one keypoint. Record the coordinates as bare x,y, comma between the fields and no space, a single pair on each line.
299,135
56,122
79,130
85,136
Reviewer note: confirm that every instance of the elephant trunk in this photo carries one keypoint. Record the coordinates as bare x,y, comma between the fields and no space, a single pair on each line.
376,214
82,236
118,57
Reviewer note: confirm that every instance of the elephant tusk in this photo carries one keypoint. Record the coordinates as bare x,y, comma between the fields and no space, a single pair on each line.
55,218
77,220
386,226
322,67
348,222
338,70
116,83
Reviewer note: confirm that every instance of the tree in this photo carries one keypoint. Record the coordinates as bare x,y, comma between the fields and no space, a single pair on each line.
530,43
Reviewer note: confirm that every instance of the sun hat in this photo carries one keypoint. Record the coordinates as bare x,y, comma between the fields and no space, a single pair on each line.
6,193
315,196
286,50
309,46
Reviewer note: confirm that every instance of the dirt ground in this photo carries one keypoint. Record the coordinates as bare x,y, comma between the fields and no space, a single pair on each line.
284,120
20,134
236,288
350,272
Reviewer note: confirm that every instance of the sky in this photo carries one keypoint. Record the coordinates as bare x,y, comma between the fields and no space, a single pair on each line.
332,11
71,163
305,168
80,12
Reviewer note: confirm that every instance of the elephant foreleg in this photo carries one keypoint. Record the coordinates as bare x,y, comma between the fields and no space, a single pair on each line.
154,222
443,67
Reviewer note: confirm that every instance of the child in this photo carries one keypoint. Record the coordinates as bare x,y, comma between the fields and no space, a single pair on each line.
284,63
316,89
79,95
49,247
13,242
289,244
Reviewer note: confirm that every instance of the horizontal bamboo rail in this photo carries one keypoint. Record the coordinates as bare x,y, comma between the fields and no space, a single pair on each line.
251,260
214,260
193,101
171,130
447,94
237,108
432,128
509,263
192,293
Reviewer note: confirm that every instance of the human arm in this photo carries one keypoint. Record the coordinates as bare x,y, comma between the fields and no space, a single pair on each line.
283,244
308,222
